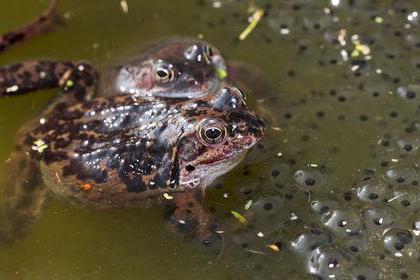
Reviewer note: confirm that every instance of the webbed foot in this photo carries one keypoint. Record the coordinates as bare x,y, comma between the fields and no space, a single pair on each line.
186,216
23,201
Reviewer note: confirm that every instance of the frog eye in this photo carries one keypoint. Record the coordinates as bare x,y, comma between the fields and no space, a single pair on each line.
165,72
208,53
213,132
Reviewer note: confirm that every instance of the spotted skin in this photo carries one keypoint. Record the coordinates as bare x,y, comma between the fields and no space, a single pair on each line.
123,149
78,78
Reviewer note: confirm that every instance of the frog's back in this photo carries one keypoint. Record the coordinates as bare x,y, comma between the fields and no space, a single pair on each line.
107,151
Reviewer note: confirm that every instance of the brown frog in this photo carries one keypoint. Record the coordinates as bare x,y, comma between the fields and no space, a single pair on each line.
176,68
121,150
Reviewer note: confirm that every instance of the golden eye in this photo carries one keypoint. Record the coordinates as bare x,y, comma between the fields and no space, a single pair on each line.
208,53
213,132
165,73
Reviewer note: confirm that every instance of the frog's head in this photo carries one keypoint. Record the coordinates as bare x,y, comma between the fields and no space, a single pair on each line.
218,141
177,69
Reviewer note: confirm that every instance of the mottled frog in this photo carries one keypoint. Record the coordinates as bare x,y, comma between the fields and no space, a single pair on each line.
123,149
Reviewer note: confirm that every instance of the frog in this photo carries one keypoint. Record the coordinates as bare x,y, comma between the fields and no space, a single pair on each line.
121,149
166,70
124,151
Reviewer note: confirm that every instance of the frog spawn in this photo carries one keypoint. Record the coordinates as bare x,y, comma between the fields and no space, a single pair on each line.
362,129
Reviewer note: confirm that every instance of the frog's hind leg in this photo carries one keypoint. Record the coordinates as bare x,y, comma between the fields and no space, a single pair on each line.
186,215
24,197
36,27
79,78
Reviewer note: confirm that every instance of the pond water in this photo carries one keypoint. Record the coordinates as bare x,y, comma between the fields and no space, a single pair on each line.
333,189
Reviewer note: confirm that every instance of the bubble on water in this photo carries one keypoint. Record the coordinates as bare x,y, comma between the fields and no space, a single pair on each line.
309,180
330,261
344,221
379,217
306,242
373,191
398,242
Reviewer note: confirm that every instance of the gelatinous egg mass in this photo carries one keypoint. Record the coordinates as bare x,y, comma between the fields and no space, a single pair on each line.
337,179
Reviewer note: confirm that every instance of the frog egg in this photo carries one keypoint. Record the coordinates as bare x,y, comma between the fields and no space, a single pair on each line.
249,189
306,242
268,206
279,171
410,92
408,146
398,242
376,89
406,198
415,62
364,271
243,238
356,243
403,176
316,23
269,213
309,180
343,221
282,22
377,218
373,191
412,39
323,205
329,261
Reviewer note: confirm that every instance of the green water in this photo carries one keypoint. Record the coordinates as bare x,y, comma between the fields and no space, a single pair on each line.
325,120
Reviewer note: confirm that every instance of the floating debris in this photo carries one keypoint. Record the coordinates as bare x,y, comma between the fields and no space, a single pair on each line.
124,6
239,217
274,247
248,204
217,4
39,146
87,187
253,22
256,252
379,19
12,89
221,73
168,196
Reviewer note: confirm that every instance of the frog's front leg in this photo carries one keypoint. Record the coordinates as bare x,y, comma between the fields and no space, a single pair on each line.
79,78
24,197
38,26
187,216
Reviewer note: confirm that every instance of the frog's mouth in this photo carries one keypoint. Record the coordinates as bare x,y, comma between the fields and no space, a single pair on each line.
204,173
